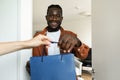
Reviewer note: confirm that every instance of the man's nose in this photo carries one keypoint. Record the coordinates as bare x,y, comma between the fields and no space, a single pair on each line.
54,18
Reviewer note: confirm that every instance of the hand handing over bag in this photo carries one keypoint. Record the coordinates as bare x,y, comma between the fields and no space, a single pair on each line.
68,42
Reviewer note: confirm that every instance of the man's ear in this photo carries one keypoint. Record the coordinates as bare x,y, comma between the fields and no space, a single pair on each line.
61,18
46,17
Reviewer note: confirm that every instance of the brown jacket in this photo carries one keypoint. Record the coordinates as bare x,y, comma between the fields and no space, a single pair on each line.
80,52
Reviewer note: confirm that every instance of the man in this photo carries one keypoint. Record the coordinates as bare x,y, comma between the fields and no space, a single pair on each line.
63,41
7,47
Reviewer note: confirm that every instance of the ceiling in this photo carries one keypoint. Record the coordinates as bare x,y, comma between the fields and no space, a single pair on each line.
72,9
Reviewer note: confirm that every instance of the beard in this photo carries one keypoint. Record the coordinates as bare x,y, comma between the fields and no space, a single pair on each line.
50,29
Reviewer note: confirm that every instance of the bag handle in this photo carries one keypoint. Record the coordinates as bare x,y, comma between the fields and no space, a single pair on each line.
43,53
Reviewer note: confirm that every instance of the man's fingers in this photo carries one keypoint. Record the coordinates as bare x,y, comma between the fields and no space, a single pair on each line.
71,47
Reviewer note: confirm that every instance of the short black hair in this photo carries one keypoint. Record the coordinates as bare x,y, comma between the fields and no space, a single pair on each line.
54,6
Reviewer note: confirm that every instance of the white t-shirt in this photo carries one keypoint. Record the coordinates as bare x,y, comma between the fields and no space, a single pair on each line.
53,36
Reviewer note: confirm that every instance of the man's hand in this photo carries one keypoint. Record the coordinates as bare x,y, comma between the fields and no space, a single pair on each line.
68,42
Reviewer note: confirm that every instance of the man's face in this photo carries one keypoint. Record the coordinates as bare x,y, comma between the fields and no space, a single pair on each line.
54,19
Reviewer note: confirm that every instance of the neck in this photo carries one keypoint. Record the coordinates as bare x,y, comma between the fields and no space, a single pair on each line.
53,30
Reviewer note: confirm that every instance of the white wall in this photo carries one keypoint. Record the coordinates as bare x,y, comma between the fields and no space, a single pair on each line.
106,39
25,32
15,24
8,32
81,27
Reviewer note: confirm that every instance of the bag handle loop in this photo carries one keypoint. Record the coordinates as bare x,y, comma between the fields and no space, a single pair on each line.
43,53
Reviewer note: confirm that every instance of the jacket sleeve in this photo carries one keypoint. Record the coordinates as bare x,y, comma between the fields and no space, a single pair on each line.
28,67
82,51
35,52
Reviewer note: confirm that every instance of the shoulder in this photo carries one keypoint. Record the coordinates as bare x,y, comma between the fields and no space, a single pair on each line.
69,32
37,33
43,32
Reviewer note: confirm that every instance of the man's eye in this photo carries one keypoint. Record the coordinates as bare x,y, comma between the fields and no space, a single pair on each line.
58,15
54,16
51,16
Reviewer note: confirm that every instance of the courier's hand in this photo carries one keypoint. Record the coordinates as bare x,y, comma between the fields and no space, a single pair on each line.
39,40
68,42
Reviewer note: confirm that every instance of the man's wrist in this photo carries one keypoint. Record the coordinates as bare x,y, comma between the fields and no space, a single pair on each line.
79,43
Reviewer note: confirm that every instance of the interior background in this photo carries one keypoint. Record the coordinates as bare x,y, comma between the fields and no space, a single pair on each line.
76,16
16,24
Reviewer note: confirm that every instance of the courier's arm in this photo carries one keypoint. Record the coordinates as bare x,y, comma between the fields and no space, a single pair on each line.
7,47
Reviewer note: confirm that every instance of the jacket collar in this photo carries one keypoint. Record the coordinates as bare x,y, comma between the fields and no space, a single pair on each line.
44,32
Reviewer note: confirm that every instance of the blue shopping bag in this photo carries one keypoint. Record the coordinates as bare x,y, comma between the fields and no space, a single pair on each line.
53,67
